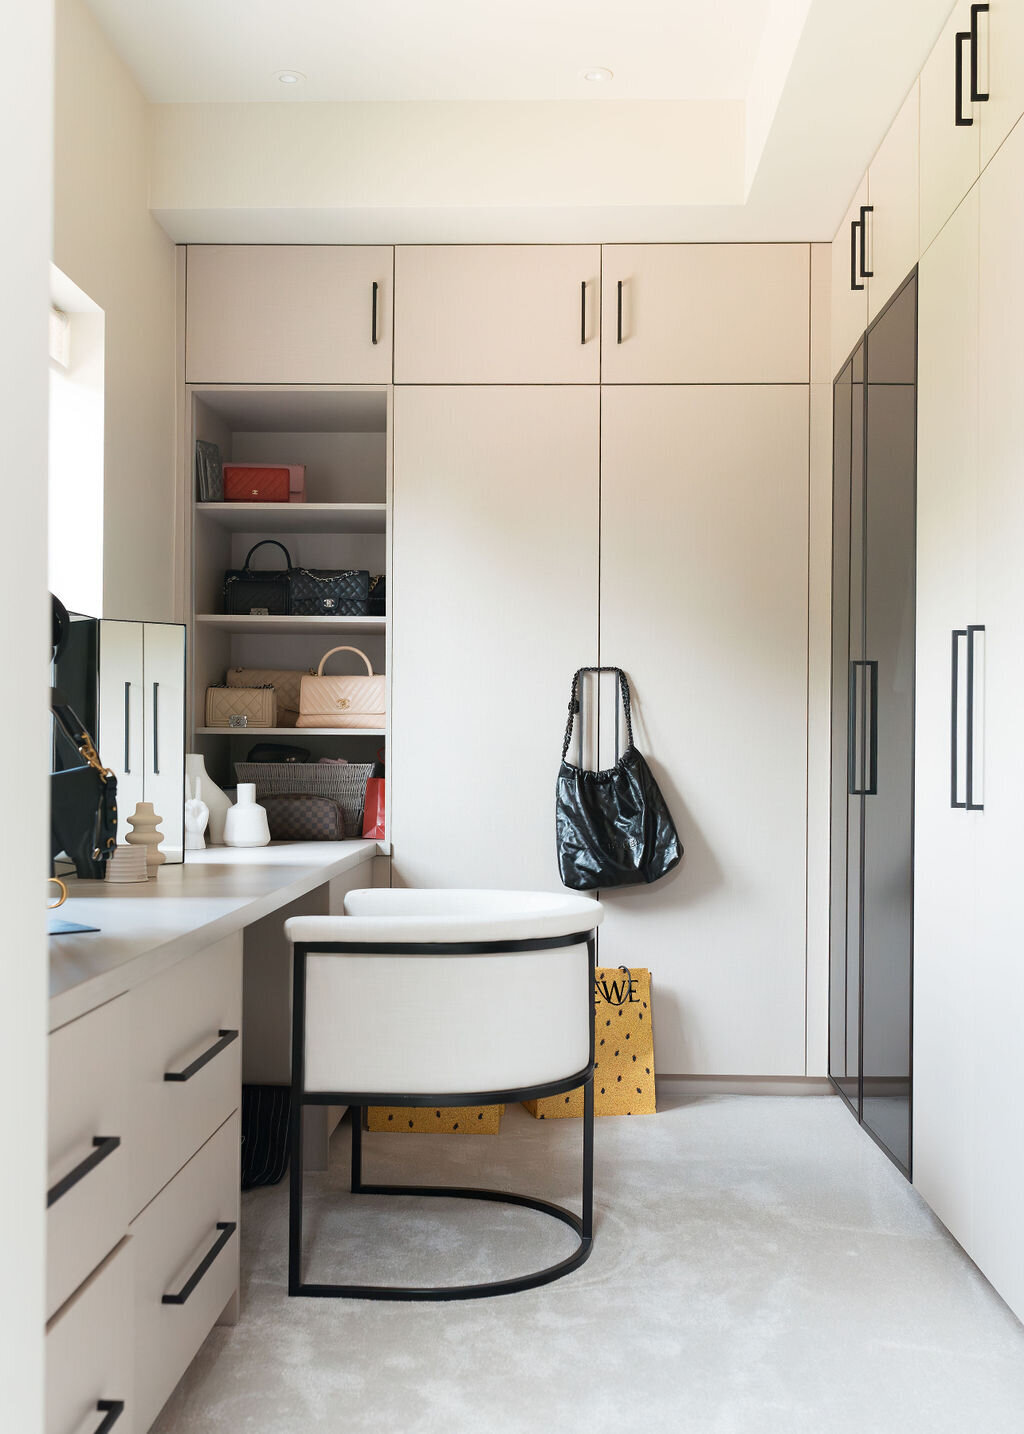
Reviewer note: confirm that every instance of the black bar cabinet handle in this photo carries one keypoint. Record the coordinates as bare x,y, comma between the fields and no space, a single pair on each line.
227,1229
103,1145
963,37
865,210
373,325
871,789
156,729
855,224
618,316
851,733
127,727
226,1037
112,1409
954,720
972,630
583,311
976,94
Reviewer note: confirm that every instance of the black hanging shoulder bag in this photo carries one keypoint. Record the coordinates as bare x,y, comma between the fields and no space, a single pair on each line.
83,800
612,827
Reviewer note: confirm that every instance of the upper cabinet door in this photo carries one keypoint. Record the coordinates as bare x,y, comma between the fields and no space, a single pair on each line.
498,313
288,314
706,313
892,225
950,127
163,705
1001,62
850,268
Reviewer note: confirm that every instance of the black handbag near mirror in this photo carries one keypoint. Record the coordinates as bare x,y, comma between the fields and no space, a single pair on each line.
612,827
83,801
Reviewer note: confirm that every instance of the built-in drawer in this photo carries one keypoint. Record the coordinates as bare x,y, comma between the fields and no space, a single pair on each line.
186,1062
89,1358
89,1187
186,1267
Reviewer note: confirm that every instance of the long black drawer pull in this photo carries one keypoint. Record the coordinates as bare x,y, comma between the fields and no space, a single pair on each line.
855,224
976,94
373,323
954,720
972,630
225,1039
618,316
103,1145
865,272
227,1229
583,311
113,1409
963,37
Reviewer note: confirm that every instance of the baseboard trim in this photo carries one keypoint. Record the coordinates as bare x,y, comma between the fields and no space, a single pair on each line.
670,1085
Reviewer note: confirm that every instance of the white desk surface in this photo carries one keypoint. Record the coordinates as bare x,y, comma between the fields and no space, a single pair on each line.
147,927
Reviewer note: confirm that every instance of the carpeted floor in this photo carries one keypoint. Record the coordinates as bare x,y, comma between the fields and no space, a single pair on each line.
759,1268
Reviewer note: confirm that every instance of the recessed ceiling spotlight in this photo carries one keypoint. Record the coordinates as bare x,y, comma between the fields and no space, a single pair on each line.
598,76
289,77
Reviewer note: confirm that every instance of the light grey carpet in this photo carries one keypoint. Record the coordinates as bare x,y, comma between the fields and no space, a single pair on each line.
759,1268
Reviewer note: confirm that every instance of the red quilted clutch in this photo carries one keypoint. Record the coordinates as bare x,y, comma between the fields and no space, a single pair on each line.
264,483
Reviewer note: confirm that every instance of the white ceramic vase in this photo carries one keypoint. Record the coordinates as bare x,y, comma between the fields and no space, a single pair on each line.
216,801
145,832
197,814
246,823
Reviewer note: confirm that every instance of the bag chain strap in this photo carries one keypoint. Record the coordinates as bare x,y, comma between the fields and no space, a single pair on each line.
574,703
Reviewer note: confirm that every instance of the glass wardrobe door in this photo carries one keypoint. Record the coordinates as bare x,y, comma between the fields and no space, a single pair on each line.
889,649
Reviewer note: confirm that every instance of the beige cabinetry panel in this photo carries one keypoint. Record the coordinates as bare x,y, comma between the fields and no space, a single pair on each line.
173,1238
89,1200
704,507
89,1364
262,313
1001,58
494,605
849,288
893,184
177,1019
705,313
950,153
945,856
498,313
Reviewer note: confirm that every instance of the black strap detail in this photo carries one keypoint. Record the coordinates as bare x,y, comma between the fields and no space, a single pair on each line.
574,703
262,544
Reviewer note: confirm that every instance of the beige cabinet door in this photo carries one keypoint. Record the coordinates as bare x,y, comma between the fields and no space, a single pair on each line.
945,838
1001,61
497,313
288,313
893,241
950,152
493,607
849,286
705,313
704,603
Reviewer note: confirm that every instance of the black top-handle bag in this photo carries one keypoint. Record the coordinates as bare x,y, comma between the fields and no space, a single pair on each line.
612,827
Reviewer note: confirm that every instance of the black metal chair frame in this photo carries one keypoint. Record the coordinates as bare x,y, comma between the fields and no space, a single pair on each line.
582,1224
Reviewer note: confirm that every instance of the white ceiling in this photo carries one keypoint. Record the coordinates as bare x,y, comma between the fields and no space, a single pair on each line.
192,51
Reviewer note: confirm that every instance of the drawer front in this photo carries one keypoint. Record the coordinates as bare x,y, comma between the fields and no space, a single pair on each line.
89,1181
89,1358
182,1252
181,1024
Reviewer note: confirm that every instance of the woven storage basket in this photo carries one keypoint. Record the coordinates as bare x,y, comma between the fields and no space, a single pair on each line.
344,783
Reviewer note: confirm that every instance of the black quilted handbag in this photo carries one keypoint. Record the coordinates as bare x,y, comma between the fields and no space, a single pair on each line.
320,592
266,592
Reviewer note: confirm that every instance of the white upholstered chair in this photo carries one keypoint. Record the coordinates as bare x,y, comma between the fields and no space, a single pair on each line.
477,998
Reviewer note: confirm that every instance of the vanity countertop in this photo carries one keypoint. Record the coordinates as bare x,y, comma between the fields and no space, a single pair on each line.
148,927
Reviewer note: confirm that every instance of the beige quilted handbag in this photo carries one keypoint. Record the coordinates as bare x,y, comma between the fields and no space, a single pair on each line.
342,701
257,705
284,682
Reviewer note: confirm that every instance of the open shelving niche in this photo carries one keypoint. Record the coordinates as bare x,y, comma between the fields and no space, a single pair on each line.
342,435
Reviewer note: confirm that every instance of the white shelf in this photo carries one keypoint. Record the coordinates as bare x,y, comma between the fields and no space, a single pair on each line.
246,622
290,732
296,517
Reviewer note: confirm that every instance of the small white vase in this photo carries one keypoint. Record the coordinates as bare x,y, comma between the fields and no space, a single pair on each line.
246,823
216,801
145,831
197,814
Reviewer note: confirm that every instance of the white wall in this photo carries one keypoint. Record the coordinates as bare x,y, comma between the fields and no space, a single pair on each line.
25,199
107,242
